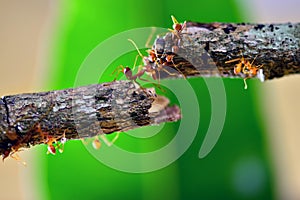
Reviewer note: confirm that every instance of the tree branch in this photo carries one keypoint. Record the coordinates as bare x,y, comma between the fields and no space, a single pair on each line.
196,50
47,117
202,50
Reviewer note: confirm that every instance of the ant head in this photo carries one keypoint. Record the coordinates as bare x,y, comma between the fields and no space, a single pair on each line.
151,58
169,58
51,149
177,27
174,20
127,70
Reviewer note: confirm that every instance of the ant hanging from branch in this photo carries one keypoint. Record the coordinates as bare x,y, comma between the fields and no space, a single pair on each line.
246,68
53,143
97,143
35,132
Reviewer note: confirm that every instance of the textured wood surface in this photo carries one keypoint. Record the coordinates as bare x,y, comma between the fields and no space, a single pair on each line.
30,119
202,49
197,50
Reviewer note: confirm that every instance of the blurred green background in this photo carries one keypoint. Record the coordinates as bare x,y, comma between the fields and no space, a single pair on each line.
238,166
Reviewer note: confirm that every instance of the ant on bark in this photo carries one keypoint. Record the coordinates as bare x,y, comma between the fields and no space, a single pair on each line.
246,68
157,60
53,143
146,68
177,27
36,133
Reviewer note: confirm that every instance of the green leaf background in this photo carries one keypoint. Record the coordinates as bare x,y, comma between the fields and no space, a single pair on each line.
238,166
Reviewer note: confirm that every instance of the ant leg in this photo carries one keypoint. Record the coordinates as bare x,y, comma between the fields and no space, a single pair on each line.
170,73
16,157
245,83
107,142
253,60
236,59
61,143
158,79
175,66
139,53
155,84
174,32
118,69
233,60
154,74
260,66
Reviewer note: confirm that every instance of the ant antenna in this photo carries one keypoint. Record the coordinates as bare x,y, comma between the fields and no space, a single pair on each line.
133,43
254,59
174,20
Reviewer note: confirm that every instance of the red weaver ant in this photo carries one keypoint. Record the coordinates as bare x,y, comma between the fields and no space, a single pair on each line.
53,144
97,143
156,61
147,68
245,67
33,133
177,27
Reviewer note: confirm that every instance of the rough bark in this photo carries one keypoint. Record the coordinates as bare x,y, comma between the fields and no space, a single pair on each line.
197,50
202,49
30,119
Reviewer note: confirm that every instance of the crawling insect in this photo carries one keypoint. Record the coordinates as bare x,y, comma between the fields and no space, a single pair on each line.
177,27
147,68
250,71
245,67
53,143
96,143
157,60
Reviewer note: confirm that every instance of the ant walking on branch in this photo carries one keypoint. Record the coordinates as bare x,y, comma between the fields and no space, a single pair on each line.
249,70
157,60
177,27
142,69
